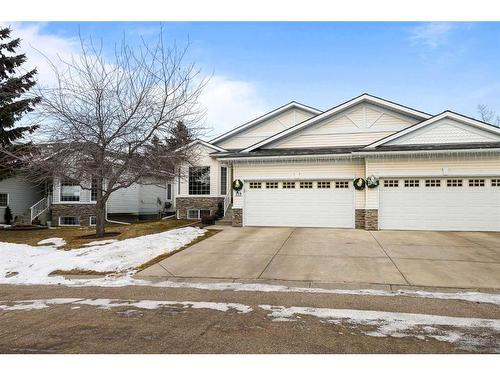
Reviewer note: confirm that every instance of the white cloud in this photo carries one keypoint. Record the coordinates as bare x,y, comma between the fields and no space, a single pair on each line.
36,43
432,34
230,103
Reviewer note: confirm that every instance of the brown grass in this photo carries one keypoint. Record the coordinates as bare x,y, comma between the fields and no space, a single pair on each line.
72,235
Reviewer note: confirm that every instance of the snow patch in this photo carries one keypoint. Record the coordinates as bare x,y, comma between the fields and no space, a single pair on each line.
54,241
455,330
107,304
33,264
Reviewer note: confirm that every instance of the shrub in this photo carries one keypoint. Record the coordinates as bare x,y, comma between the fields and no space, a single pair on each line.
7,215
208,219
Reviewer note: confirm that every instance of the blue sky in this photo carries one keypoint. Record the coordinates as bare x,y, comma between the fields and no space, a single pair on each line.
258,66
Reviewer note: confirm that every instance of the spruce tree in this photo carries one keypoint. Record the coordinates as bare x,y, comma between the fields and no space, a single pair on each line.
13,88
180,136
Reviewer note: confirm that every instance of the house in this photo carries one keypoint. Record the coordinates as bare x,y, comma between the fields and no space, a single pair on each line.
367,163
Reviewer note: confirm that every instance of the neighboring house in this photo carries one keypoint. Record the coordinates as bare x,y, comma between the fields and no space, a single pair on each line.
298,165
19,194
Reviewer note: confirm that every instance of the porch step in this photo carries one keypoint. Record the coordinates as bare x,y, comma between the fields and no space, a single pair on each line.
227,219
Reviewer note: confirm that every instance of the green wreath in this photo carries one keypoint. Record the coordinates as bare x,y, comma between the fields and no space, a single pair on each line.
237,185
359,183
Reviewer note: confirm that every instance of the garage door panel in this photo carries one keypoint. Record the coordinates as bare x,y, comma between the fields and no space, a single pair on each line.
330,207
440,208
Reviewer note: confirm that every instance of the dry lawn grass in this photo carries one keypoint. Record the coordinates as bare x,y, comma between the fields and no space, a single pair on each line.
71,234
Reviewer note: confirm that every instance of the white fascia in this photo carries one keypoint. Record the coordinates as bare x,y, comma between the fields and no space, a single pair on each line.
446,114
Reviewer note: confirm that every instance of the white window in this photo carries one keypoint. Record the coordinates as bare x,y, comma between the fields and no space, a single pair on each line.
199,180
69,220
476,182
454,183
391,183
341,184
93,190
306,185
324,184
197,214
4,199
223,180
412,183
288,185
494,182
92,221
432,183
271,185
255,185
169,192
70,191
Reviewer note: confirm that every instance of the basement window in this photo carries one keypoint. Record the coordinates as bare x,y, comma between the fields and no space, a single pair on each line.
432,183
92,221
454,183
324,184
271,185
476,182
255,185
197,214
69,220
288,185
391,183
341,184
494,182
412,183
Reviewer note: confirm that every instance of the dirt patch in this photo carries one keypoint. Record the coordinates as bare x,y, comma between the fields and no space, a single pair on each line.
78,272
94,236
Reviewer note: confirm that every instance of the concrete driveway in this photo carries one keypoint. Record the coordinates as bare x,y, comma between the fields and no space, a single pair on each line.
320,256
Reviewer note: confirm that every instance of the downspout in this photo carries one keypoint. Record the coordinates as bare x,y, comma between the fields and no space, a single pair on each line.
112,221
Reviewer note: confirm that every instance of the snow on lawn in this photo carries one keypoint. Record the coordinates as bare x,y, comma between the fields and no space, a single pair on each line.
55,241
25,264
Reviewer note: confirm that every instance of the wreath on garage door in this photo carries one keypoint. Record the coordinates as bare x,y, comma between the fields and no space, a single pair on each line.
237,185
359,184
372,182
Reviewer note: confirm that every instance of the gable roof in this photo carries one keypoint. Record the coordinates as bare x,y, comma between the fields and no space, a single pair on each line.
443,115
341,107
204,143
266,116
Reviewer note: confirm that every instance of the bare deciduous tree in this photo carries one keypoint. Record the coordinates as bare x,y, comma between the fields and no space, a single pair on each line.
106,120
488,115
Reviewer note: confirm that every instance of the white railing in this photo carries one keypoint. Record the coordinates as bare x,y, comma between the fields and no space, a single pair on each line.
39,207
227,202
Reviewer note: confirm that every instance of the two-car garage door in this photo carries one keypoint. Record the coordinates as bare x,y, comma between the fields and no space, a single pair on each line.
468,203
299,203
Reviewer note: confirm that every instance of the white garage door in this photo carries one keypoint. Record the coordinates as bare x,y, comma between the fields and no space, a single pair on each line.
299,204
440,204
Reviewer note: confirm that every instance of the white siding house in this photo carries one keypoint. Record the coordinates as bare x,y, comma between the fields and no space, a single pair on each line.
19,194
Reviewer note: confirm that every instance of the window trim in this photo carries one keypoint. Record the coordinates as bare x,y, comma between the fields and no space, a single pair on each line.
476,182
272,185
288,185
61,184
198,210
411,183
342,184
393,183
223,184
495,182
8,197
69,225
306,185
432,182
324,185
255,185
192,192
454,182
90,221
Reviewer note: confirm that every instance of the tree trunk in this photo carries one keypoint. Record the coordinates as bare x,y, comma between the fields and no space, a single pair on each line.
100,212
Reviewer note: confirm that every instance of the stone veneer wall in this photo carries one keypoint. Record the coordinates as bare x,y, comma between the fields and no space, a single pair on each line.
359,218
83,211
237,218
371,219
183,204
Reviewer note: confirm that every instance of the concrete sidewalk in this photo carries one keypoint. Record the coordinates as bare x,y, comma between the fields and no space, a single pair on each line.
321,256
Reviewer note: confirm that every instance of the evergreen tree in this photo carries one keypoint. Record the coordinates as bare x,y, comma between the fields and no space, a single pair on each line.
180,136
13,87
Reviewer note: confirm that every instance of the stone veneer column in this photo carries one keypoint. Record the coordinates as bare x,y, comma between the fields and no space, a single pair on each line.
359,218
237,218
371,219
